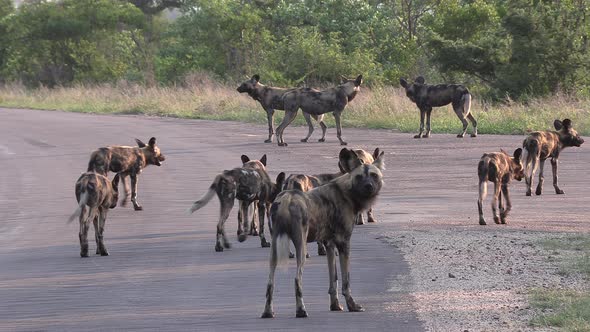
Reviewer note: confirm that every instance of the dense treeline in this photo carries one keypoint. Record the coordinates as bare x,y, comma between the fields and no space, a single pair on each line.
500,48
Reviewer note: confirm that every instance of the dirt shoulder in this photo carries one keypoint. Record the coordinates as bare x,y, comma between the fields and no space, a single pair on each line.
480,280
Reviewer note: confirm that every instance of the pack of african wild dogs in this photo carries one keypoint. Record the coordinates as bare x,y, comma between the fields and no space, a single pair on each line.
321,208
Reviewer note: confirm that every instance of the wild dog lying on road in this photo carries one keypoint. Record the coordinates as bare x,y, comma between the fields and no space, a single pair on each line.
499,168
317,103
540,145
249,183
271,99
327,214
95,195
126,161
428,96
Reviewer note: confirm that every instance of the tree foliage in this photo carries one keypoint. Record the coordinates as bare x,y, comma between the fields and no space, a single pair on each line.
500,48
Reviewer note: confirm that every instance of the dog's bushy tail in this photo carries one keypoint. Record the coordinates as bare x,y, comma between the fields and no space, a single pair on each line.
466,98
223,184
483,171
529,156
282,248
205,199
81,206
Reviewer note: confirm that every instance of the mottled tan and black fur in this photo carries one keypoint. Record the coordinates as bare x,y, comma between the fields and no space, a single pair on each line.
249,184
271,99
499,168
95,195
317,103
126,161
427,96
540,145
327,214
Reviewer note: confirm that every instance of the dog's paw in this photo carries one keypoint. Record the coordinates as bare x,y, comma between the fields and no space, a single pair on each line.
473,135
418,136
268,141
138,208
559,191
304,140
497,219
291,255
301,313
460,136
336,307
321,140
242,237
264,243
218,248
268,314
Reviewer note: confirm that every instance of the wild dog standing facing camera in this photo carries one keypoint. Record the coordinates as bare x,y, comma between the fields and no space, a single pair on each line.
126,161
325,214
428,96
540,145
95,195
249,183
316,103
499,168
271,99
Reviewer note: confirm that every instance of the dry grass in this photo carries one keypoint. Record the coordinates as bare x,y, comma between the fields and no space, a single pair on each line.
385,107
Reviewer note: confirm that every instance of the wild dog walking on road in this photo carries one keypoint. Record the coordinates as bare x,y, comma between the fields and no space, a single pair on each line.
540,145
271,99
428,96
95,195
127,161
317,103
327,214
249,183
499,168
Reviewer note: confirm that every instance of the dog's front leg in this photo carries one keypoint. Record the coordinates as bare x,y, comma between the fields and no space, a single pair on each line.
126,188
428,112
554,168
261,210
84,234
422,114
270,116
243,221
508,205
136,205
539,190
333,274
344,252
339,127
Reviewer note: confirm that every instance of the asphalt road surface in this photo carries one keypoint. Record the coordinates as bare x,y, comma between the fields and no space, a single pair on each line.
163,272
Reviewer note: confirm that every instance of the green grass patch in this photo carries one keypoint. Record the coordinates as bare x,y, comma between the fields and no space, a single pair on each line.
383,108
565,309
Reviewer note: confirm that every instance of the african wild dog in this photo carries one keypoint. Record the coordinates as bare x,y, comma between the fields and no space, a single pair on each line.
271,99
540,145
327,214
317,103
499,168
428,96
95,195
249,183
126,161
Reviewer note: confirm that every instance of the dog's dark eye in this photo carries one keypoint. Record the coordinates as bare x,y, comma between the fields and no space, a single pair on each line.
374,176
359,177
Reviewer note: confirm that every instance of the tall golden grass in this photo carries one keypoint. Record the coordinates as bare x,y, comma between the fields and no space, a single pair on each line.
385,107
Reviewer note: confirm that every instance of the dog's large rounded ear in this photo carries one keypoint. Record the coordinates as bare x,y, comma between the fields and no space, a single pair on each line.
115,182
348,160
140,143
380,161
517,154
280,179
152,142
567,124
358,81
557,124
263,160
376,153
419,80
403,82
245,159
256,78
